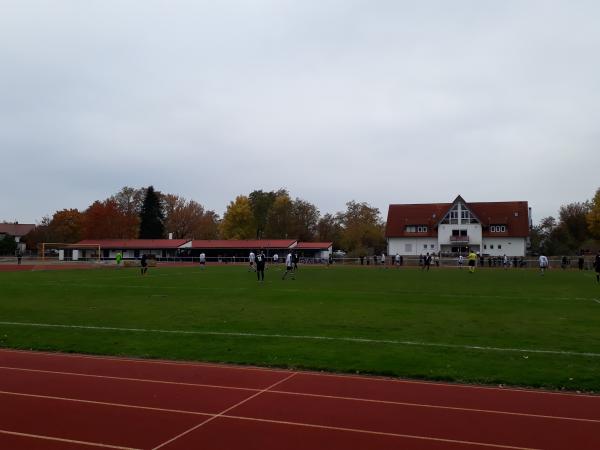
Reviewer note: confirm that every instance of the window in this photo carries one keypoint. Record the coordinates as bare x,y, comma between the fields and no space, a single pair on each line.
410,229
422,229
499,246
424,246
492,247
463,232
408,248
497,228
485,246
415,229
432,245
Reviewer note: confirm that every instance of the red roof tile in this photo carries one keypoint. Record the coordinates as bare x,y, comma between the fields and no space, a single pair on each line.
142,244
16,229
314,245
244,244
515,215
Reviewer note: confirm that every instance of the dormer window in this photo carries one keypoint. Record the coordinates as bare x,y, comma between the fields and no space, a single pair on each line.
416,229
497,228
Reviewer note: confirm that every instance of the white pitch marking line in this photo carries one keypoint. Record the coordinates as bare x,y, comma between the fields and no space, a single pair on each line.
210,419
306,337
70,441
307,373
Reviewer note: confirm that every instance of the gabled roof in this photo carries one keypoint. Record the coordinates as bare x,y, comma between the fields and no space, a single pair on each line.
429,214
139,244
515,215
244,244
16,229
314,245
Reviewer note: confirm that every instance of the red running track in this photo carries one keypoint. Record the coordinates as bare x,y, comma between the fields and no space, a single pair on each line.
72,402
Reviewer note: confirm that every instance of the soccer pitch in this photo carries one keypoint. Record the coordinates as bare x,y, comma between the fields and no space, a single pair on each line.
495,326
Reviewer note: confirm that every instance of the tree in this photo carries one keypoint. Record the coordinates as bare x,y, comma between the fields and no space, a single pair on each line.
305,218
362,228
238,220
261,203
208,227
106,220
188,219
573,218
279,221
593,216
151,216
8,245
65,226
39,234
129,201
329,229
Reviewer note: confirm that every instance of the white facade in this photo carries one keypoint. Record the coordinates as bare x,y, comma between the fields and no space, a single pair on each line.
458,230
412,246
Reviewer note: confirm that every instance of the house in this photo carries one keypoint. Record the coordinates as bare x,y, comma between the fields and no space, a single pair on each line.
17,231
489,228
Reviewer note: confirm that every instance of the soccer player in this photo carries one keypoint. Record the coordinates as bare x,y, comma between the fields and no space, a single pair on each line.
251,258
275,258
295,259
289,266
119,258
460,261
597,266
260,266
202,260
382,259
426,262
144,264
543,264
472,261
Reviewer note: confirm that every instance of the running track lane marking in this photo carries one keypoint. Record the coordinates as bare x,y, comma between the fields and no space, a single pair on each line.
70,441
267,369
299,394
252,419
320,338
382,433
210,419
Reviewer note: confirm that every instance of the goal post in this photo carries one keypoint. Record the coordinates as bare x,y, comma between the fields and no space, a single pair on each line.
55,249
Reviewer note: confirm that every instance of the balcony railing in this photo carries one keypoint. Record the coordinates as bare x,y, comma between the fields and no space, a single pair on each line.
459,238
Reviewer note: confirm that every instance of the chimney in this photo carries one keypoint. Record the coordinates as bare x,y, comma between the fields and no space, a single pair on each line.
170,235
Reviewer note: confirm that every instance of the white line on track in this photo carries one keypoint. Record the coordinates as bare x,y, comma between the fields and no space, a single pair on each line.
70,441
274,391
307,337
210,419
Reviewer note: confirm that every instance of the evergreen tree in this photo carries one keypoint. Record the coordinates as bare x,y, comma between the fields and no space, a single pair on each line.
152,216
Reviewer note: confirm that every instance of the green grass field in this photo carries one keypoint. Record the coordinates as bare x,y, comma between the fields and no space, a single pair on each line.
498,327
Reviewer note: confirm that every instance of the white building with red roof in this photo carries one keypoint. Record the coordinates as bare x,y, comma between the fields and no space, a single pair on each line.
489,228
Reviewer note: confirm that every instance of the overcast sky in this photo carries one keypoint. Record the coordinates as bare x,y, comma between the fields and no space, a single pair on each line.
372,100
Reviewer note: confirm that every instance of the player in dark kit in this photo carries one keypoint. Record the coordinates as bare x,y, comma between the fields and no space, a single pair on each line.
260,266
597,266
144,264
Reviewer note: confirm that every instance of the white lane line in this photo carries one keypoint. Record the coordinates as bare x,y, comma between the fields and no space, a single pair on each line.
69,441
307,337
281,392
376,378
380,433
210,419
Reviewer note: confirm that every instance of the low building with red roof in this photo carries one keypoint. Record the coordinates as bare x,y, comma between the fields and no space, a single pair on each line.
129,248
488,228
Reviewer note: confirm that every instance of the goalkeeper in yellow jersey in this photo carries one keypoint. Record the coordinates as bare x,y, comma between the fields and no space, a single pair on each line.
472,258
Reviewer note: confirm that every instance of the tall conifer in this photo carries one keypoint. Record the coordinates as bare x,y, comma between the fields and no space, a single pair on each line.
152,216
